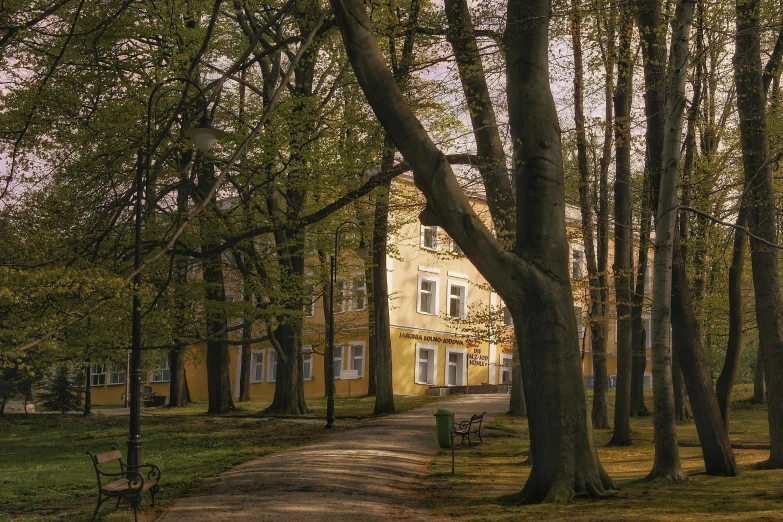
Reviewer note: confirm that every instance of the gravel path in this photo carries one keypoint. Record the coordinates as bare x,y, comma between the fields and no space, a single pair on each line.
362,474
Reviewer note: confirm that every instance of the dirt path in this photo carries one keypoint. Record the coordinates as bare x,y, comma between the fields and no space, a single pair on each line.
360,474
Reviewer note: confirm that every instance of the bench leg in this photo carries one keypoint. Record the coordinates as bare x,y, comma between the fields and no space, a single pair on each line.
98,506
153,491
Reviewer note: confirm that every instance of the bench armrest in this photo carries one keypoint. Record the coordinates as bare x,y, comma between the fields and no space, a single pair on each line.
153,473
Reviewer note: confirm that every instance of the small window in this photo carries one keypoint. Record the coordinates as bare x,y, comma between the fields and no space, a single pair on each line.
358,293
117,375
272,370
97,375
458,303
506,362
338,360
430,238
309,306
426,360
162,373
428,295
455,249
307,362
577,264
580,323
339,297
257,366
507,320
357,358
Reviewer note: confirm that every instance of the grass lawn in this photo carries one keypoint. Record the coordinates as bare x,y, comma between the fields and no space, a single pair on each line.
46,476
489,474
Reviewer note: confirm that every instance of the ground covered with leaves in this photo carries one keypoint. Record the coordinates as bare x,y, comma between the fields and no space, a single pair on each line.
46,476
488,475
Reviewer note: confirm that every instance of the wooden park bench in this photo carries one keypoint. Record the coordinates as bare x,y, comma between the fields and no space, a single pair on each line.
129,484
468,427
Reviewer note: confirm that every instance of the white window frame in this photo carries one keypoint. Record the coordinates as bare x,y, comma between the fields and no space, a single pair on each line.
436,231
355,289
580,322
423,277
648,277
113,373
432,375
352,358
578,262
97,378
463,309
506,365
505,316
307,358
338,307
256,365
463,381
159,373
338,367
455,249
271,367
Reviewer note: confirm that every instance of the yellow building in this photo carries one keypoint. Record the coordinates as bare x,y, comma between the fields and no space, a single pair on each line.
439,309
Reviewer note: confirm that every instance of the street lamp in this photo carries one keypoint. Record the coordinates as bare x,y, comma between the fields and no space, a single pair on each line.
204,135
362,252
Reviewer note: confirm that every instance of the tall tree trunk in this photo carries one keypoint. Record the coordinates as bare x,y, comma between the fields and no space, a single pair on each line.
728,374
178,386
247,347
681,410
179,395
289,389
87,392
565,462
600,411
218,364
713,435
667,459
759,385
516,403
622,232
759,196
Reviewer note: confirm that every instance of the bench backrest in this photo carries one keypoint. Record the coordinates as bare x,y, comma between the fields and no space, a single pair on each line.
107,457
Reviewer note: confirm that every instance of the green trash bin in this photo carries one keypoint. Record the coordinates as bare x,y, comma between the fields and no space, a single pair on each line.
444,424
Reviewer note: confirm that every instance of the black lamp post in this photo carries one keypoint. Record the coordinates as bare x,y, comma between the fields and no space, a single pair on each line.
362,251
205,136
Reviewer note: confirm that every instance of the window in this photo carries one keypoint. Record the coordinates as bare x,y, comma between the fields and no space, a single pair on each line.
339,296
162,373
117,376
357,357
506,362
257,366
577,264
426,360
309,306
455,249
358,293
458,302
428,295
429,238
580,323
307,362
338,360
272,369
507,320
97,375
456,367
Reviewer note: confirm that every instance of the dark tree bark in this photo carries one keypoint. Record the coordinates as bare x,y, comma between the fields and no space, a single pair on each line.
600,411
179,395
244,371
759,385
218,378
622,232
516,403
681,410
760,200
667,459
289,384
87,392
713,435
565,462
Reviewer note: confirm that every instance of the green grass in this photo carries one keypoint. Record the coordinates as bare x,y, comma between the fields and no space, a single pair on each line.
46,476
489,474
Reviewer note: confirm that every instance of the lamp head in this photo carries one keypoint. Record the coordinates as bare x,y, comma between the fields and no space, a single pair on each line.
204,134
363,252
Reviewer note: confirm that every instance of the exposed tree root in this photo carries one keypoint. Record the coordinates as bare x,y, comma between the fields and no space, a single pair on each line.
669,476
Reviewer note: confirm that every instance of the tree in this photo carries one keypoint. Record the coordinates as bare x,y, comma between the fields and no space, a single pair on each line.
61,394
533,280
